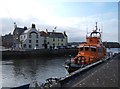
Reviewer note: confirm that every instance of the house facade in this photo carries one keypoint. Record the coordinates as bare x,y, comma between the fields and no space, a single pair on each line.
31,38
7,40
54,39
16,36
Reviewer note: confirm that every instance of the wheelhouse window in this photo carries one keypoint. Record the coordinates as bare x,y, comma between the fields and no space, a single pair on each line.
100,50
86,48
93,49
81,48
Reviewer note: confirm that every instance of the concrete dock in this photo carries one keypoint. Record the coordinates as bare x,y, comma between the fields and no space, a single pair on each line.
103,75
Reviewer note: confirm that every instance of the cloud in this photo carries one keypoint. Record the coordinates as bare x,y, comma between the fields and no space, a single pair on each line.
76,27
43,14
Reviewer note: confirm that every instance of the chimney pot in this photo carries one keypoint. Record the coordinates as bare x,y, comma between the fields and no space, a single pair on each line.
33,25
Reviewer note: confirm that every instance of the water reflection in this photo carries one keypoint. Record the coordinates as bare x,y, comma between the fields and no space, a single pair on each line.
24,71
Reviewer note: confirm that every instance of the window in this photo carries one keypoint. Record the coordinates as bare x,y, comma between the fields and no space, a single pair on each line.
24,45
61,39
30,46
53,39
90,40
29,41
37,45
53,44
36,35
44,41
30,36
93,49
36,41
86,48
81,48
100,49
61,44
47,42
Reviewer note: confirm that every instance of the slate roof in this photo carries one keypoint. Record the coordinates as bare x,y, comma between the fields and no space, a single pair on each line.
56,35
19,30
52,34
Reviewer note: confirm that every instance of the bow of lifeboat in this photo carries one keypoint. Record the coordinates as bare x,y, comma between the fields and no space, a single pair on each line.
77,62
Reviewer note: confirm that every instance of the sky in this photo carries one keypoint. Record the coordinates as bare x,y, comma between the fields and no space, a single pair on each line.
76,17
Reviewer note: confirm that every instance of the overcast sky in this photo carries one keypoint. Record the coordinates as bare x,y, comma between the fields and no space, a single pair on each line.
75,17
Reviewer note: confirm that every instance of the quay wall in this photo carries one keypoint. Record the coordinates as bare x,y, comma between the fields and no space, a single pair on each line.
38,53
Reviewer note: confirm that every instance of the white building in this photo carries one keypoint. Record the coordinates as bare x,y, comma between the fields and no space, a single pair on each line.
31,39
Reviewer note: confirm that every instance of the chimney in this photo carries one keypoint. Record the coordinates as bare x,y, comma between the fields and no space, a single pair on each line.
46,30
53,31
33,25
15,25
25,28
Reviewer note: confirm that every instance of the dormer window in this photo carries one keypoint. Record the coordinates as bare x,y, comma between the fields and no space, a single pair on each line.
36,35
30,36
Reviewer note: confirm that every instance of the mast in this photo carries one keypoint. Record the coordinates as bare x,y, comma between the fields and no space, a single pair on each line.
96,27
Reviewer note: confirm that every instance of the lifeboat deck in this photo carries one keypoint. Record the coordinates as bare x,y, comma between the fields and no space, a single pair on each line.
103,75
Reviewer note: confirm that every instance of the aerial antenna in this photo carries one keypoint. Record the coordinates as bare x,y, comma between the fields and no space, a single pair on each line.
8,11
96,27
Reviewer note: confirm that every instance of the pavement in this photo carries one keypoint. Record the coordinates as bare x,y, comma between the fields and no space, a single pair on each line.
103,75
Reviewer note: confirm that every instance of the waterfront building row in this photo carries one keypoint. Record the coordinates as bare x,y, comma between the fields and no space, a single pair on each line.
30,38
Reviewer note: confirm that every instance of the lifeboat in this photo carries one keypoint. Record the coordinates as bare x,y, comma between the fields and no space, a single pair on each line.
89,52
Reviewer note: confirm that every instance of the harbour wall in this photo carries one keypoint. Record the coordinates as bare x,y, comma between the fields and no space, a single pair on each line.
38,53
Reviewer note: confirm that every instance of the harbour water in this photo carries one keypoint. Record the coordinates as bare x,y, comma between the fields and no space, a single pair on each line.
24,71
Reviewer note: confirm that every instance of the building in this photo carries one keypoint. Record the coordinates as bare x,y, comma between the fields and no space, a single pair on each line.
7,40
16,36
31,39
54,39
